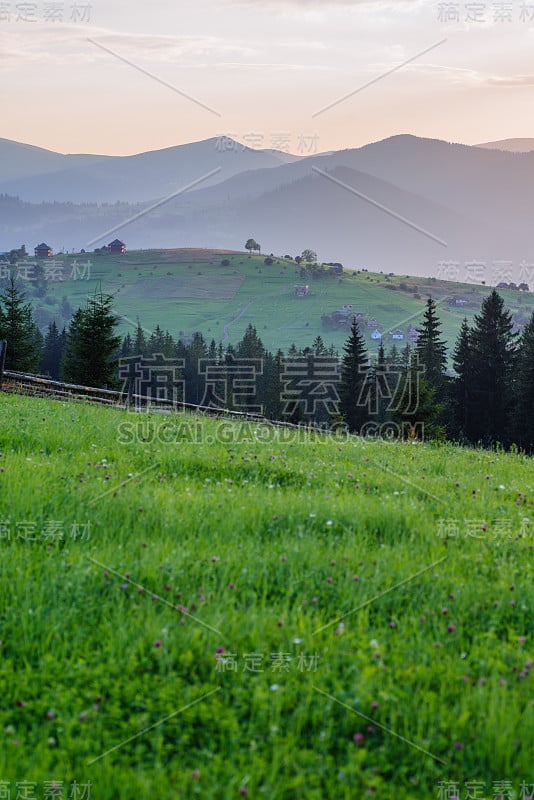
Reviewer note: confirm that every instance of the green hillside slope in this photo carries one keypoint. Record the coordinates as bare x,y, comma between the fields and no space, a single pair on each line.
186,291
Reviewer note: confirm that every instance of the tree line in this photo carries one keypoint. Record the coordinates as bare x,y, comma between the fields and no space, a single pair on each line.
485,399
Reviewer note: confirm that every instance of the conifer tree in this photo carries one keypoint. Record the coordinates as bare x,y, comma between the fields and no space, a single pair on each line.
93,346
431,349
461,410
494,347
18,328
354,381
523,423
52,352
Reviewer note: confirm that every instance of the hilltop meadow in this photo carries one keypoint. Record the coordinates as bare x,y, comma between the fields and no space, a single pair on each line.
188,291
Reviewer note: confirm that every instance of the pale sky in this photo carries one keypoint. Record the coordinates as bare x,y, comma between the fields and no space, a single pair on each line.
265,67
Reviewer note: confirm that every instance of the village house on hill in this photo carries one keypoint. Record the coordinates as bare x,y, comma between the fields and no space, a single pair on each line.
43,251
116,246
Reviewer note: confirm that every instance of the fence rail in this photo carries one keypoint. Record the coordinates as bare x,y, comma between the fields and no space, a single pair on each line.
40,386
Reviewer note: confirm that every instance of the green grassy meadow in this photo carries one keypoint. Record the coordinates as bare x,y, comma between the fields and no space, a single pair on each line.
199,608
186,291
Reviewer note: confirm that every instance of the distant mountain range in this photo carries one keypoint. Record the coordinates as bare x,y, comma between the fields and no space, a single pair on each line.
511,145
405,204
39,175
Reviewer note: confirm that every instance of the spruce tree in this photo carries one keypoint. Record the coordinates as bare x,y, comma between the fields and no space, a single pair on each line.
431,349
52,352
127,346
380,387
494,348
523,423
139,343
416,407
71,368
19,330
460,397
354,381
93,346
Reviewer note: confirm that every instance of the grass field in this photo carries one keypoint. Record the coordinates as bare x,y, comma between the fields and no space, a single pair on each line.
196,608
186,291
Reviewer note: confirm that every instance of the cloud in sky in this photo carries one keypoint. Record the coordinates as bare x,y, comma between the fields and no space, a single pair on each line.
268,65
511,80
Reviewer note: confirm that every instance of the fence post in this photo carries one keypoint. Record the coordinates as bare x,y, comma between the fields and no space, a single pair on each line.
3,348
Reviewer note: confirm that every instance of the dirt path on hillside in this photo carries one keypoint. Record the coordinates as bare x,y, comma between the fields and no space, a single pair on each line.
226,329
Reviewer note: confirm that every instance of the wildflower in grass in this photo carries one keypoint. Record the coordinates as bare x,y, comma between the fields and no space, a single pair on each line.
50,714
358,738
458,746
329,579
231,585
374,704
451,628
157,643
243,790
355,577
195,774
83,716
167,587
315,600
140,590
392,625
124,585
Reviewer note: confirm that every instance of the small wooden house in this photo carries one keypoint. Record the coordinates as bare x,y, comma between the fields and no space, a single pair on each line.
116,246
43,251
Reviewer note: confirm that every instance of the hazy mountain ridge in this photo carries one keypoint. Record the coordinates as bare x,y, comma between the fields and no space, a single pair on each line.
39,175
478,201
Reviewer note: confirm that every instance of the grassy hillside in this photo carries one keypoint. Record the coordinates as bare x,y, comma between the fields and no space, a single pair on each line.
188,290
143,558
